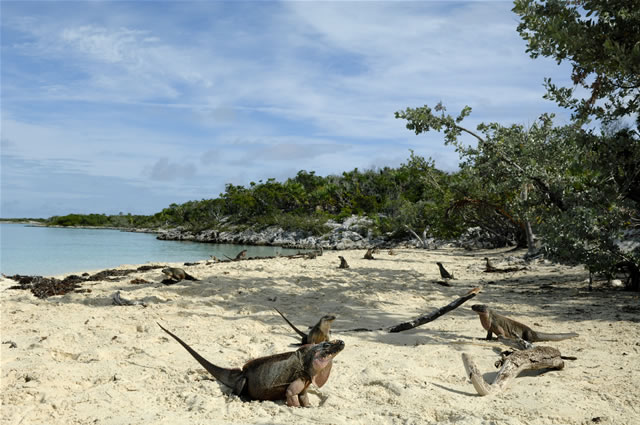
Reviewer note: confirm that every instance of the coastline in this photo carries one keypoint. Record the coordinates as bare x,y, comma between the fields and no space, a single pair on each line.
77,355
353,233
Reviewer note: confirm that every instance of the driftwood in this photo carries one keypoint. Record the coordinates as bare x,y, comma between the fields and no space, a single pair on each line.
116,299
429,317
511,364
422,240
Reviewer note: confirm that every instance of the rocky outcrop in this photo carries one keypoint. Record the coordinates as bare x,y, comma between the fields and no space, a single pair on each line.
353,233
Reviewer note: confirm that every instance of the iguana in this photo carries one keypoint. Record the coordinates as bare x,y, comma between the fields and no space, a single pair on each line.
443,272
177,274
500,325
320,332
490,268
241,255
343,263
284,376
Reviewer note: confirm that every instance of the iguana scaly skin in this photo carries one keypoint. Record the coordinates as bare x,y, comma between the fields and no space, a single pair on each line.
320,332
284,376
500,325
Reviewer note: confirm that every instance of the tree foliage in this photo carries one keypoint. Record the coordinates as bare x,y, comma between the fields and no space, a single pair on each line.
414,195
580,192
601,40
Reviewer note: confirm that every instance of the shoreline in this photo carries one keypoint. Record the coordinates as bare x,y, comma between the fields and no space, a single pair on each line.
353,233
77,355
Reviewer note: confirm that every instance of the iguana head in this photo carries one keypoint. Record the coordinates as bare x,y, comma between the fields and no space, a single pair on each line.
479,308
325,323
317,356
327,319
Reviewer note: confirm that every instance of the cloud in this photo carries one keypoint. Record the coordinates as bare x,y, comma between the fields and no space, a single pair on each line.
122,45
179,100
165,170
211,157
292,151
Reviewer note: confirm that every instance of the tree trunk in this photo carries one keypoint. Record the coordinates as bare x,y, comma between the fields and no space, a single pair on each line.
423,241
531,247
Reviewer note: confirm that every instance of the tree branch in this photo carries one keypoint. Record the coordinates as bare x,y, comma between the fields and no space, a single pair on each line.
429,317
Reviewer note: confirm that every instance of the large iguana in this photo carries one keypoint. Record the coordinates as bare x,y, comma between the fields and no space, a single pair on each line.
500,325
284,376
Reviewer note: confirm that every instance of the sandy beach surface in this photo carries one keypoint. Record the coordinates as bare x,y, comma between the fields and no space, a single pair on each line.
79,359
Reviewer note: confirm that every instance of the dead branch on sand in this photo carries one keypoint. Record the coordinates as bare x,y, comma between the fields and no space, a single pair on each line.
429,317
511,364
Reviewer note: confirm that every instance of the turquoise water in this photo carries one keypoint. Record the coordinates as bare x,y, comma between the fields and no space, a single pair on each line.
47,251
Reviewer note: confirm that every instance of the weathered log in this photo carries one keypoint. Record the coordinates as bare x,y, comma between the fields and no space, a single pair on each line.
429,317
511,365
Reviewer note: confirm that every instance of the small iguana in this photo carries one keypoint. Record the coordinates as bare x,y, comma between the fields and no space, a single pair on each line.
176,274
369,254
500,325
284,376
490,268
343,263
241,255
443,272
320,332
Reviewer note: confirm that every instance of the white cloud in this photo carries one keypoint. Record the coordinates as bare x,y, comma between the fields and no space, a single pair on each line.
165,170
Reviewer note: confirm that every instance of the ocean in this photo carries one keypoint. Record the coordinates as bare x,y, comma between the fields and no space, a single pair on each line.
49,251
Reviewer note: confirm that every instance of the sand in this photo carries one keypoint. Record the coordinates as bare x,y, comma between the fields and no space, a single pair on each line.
78,359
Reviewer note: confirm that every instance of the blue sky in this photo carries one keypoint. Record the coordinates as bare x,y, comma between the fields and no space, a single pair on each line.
117,106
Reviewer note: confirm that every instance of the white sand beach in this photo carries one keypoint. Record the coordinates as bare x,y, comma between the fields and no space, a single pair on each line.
78,359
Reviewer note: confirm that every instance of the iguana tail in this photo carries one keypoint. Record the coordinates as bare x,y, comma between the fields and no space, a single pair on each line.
298,331
232,378
189,277
541,336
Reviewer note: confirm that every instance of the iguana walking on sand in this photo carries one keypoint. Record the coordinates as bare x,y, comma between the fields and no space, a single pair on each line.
500,325
443,272
320,332
284,376
176,274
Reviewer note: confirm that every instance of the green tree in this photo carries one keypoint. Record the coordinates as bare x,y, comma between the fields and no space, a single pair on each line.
601,41
586,182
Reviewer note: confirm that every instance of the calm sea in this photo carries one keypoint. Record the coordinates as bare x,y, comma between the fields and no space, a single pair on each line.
47,251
